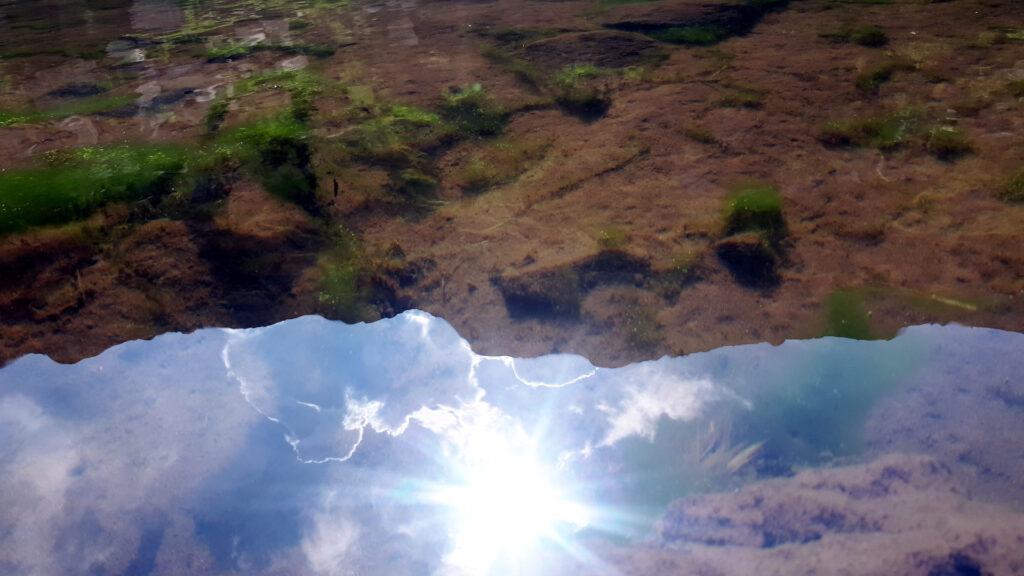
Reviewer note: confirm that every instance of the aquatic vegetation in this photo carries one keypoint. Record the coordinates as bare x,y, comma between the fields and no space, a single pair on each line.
276,150
230,51
754,227
691,35
501,163
883,132
874,75
236,50
1012,189
414,184
524,71
643,331
1016,88
343,293
578,96
870,36
396,135
846,317
302,87
75,183
700,134
613,238
682,269
756,207
82,107
215,114
947,142
472,111
742,97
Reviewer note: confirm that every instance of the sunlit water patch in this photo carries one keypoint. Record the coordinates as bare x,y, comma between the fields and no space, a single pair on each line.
313,446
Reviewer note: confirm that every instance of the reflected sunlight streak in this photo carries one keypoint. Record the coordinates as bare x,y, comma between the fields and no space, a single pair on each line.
505,506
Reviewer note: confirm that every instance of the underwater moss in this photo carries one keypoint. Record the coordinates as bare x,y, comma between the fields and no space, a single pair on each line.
612,238
883,132
947,142
523,71
500,163
874,75
755,207
643,331
83,107
1016,88
215,115
586,102
75,183
699,134
846,317
742,97
414,184
1012,189
302,87
275,150
691,35
471,110
870,36
343,293
394,136
479,175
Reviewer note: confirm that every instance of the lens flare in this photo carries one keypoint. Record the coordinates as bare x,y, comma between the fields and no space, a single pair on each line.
506,505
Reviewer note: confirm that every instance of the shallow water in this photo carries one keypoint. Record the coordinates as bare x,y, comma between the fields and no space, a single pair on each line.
511,286
313,445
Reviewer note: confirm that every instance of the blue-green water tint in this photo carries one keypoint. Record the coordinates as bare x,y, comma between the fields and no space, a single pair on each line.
311,440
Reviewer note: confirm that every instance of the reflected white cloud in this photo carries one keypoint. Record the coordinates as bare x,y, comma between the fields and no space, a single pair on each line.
312,446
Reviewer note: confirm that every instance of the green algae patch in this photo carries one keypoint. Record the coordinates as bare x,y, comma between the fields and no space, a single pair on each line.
342,291
691,35
755,207
83,107
1012,189
75,183
473,112
846,317
277,152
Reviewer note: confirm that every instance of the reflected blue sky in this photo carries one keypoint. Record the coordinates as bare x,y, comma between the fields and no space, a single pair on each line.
313,446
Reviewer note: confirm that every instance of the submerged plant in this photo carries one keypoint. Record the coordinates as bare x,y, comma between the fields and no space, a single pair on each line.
874,75
754,227
75,183
755,207
883,132
947,142
343,291
276,150
691,35
1013,189
576,93
82,107
743,97
846,317
471,110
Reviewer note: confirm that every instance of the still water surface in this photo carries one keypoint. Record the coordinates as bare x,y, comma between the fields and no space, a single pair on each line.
392,447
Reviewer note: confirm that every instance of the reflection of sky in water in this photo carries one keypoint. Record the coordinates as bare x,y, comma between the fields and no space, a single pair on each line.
313,446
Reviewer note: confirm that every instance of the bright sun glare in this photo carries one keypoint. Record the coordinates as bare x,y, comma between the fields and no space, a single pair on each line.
505,505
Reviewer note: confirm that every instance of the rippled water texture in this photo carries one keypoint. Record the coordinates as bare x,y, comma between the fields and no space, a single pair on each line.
315,446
